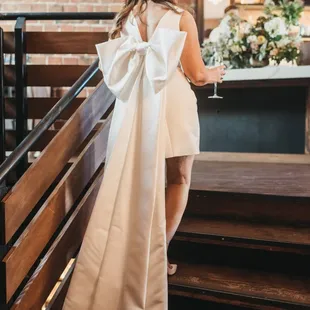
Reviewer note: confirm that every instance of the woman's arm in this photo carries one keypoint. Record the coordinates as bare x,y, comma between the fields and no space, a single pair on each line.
192,63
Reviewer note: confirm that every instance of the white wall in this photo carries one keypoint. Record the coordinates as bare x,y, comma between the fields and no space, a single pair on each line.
212,11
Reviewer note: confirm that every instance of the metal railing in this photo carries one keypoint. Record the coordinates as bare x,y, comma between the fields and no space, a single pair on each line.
59,16
18,157
2,111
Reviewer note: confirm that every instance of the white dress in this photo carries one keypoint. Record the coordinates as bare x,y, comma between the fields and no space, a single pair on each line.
122,263
182,122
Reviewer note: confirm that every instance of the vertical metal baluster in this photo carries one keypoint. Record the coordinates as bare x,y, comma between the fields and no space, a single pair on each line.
2,117
3,188
20,89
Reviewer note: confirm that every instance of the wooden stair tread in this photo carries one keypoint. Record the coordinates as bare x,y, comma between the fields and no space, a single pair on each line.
302,159
254,284
263,174
223,228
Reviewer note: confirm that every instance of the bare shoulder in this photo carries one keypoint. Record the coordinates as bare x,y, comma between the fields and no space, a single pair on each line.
187,21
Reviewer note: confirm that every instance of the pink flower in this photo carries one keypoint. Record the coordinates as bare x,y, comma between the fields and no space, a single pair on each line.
274,52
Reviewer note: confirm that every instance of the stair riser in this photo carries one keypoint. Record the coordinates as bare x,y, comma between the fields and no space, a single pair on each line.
245,207
268,261
244,243
181,300
231,300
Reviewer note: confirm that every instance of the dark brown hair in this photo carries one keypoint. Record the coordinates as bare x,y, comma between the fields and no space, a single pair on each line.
230,8
142,5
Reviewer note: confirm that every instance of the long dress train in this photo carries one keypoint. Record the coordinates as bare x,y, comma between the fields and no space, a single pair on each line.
122,263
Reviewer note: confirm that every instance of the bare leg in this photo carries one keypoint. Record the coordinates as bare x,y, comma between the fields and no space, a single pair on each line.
179,171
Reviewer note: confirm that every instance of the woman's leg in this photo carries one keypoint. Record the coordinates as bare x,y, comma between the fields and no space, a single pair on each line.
179,170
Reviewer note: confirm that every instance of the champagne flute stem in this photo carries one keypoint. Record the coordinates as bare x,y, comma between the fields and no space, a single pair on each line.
215,89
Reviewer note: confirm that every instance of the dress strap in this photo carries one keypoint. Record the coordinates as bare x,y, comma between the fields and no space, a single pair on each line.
173,21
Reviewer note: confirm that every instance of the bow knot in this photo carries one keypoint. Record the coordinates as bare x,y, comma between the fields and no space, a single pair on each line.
141,47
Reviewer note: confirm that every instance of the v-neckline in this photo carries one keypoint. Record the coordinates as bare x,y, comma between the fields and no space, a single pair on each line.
156,28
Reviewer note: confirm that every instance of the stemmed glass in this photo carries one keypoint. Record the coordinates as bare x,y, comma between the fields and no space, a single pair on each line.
217,60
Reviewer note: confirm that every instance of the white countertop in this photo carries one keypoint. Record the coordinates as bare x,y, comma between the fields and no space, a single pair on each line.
268,73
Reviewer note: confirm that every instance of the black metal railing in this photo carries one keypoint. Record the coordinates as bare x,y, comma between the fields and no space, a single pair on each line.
59,16
18,158
20,89
22,149
2,109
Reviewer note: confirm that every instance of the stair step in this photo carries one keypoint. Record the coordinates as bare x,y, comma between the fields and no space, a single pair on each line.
248,234
289,211
239,286
177,302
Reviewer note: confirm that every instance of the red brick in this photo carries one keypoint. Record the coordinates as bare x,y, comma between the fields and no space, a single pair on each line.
33,27
23,7
85,8
82,27
37,59
54,60
9,7
55,8
70,8
86,60
86,1
70,60
99,28
115,7
66,28
39,8
101,8
7,26
51,28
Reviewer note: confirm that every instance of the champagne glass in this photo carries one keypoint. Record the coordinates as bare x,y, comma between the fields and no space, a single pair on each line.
217,60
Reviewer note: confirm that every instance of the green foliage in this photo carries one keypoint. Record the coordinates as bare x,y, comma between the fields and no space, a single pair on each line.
275,36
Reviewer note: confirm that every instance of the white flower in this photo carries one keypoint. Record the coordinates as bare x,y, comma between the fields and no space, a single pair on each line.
245,28
215,35
294,30
283,42
269,2
222,32
235,49
225,20
276,27
252,39
225,53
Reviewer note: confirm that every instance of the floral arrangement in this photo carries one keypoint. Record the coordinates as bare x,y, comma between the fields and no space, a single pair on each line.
275,36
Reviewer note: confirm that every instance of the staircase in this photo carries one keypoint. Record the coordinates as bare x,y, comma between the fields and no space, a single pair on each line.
246,243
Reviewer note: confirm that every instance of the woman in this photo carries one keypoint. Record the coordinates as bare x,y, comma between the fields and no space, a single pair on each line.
122,264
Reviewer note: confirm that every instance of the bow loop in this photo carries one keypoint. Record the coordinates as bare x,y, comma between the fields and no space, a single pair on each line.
121,60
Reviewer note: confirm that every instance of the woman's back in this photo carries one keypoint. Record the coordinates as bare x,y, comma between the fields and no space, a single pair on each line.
149,19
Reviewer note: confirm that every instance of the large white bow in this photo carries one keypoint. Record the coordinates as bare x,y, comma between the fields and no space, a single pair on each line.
121,60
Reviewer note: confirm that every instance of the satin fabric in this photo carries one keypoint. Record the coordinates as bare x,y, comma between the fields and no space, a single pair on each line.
122,263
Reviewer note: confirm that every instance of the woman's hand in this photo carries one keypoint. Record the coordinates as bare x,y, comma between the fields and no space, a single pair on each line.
216,74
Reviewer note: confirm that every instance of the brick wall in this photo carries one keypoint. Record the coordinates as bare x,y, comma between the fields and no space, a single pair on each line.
68,26
61,6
